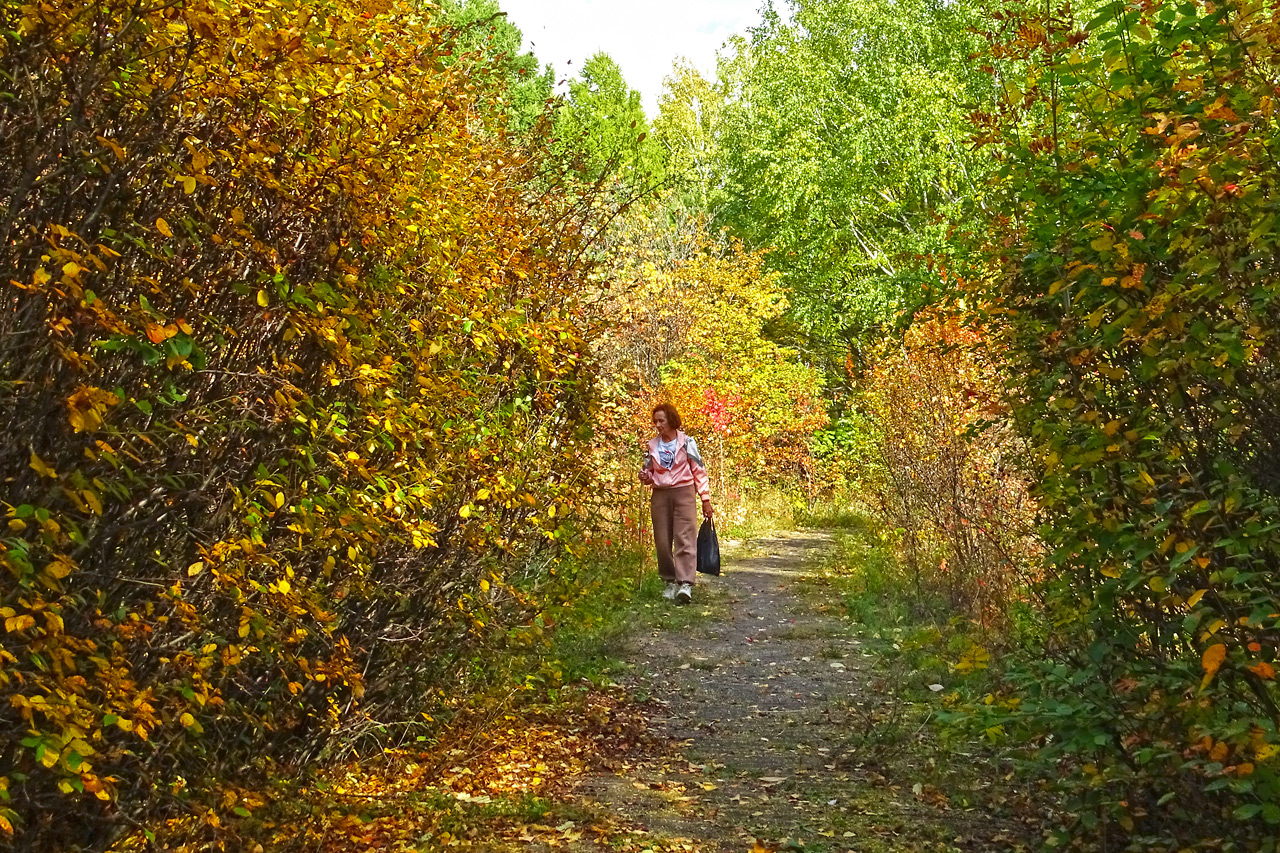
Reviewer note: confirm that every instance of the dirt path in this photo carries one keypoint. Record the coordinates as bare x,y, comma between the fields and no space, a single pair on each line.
767,703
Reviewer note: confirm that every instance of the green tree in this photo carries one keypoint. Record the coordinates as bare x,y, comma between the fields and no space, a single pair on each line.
602,125
485,29
843,144
688,120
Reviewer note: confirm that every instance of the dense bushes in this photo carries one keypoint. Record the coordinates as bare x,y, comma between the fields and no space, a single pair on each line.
943,466
1131,252
293,381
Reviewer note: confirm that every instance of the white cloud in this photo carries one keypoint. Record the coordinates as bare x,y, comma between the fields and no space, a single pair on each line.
643,38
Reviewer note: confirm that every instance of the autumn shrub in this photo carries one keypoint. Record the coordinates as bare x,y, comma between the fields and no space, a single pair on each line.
942,465
294,386
688,327
1131,261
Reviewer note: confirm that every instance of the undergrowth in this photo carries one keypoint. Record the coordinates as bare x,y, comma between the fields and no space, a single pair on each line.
490,771
922,661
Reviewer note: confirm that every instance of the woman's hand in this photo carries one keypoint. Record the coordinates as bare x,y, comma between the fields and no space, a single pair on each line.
646,478
707,512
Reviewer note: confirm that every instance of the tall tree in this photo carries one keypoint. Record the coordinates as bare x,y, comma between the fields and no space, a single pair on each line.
603,122
689,111
842,144
485,28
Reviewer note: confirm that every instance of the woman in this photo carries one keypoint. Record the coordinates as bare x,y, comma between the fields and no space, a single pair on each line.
676,472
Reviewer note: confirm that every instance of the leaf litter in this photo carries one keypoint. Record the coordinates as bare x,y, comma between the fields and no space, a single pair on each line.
756,749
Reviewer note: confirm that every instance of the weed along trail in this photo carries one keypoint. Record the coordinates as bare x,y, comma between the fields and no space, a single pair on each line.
766,726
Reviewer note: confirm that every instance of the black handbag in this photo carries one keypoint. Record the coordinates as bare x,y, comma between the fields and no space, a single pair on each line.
708,549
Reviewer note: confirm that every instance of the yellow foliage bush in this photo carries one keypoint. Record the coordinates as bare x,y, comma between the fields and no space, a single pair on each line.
294,383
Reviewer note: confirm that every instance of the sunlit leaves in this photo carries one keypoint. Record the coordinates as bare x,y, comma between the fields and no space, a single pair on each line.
87,407
842,144
289,300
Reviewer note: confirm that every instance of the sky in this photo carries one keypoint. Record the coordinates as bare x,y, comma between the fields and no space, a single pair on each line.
644,38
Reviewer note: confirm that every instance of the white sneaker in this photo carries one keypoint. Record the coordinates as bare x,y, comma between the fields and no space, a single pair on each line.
670,592
685,594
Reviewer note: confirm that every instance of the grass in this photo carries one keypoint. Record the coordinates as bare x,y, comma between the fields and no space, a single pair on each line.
620,595
916,644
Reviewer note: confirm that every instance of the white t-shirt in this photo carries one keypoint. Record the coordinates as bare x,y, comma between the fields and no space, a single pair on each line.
667,452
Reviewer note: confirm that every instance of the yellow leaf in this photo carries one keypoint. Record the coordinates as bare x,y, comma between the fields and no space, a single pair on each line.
279,499
91,499
1156,584
1195,597
284,586
1212,662
41,276
19,623
974,658
188,184
87,407
38,465
195,569
263,300
163,228
5,825
187,720
60,567
71,269
484,585
193,441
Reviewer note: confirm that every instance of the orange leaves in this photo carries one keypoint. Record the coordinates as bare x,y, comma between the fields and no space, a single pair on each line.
391,328
1263,670
1212,661
941,437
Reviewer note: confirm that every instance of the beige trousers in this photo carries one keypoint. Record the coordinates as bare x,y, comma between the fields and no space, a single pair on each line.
675,533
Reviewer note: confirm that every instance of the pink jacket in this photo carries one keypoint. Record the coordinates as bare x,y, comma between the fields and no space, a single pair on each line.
687,469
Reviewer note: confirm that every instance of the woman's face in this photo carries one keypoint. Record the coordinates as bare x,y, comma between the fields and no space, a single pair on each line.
660,423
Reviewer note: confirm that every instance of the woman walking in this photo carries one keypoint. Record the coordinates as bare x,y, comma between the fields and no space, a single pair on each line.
673,467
